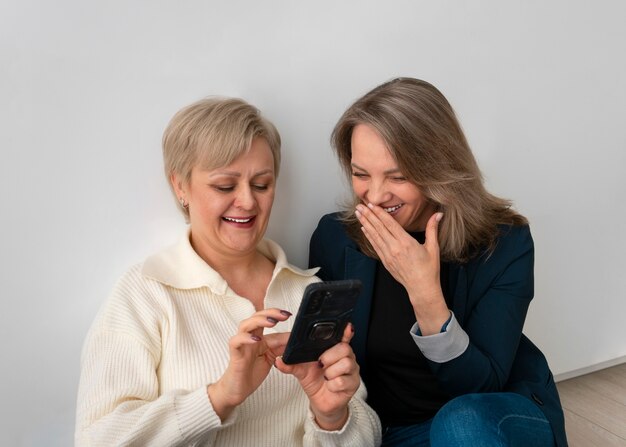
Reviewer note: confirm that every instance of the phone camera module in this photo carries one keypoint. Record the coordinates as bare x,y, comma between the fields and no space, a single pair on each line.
316,303
323,330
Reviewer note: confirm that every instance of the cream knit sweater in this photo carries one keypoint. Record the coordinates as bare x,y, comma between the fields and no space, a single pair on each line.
162,337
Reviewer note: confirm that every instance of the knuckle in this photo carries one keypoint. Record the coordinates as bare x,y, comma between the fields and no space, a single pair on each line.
342,347
340,382
353,366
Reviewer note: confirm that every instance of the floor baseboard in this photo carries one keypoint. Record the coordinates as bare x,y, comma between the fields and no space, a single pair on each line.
589,369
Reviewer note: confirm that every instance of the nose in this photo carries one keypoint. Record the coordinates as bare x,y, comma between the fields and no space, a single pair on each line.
377,193
245,199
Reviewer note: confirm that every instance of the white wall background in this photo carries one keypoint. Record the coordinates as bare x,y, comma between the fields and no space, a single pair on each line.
86,89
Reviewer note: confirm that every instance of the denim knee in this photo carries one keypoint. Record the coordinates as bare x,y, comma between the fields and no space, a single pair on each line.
490,419
464,410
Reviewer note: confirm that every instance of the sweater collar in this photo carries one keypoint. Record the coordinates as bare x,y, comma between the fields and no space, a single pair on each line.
179,266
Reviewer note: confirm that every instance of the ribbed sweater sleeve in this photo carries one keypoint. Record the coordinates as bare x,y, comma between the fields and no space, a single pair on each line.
119,400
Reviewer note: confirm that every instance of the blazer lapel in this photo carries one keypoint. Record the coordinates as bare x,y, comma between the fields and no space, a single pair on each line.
359,266
458,279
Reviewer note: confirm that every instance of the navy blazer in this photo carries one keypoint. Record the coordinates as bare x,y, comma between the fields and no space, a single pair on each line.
490,298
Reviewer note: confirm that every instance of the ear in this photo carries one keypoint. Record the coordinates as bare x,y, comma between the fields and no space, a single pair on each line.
178,185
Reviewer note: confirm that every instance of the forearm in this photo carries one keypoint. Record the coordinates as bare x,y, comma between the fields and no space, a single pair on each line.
119,400
431,311
175,419
461,366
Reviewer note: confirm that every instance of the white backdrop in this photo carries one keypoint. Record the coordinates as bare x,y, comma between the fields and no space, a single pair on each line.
86,89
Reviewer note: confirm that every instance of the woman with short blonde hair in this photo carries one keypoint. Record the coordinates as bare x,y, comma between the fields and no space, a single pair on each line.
187,349
211,133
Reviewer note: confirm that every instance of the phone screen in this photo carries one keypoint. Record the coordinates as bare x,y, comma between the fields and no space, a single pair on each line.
324,312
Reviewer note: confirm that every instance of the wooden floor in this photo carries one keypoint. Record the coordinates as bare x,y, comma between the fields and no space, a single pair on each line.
595,408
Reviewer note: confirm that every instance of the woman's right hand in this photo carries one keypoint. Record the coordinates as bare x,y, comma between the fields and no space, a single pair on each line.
252,355
416,266
330,382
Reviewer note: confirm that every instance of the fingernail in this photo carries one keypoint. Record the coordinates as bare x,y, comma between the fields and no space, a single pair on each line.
370,206
320,364
255,337
286,313
272,320
351,328
438,217
358,214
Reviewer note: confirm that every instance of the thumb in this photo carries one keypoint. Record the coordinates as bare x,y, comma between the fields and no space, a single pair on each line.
348,333
432,229
277,342
298,370
282,366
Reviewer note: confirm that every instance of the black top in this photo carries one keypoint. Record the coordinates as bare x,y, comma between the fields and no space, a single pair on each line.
401,387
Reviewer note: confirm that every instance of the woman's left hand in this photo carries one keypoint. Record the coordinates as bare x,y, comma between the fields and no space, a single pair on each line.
414,265
329,383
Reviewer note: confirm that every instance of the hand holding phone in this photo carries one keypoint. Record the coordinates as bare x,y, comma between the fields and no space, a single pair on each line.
324,312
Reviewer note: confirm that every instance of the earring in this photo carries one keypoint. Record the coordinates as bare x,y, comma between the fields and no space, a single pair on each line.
183,203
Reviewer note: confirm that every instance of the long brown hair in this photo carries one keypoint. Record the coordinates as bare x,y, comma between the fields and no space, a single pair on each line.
422,133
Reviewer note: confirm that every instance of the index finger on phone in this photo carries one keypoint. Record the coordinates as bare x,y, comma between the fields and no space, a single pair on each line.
263,319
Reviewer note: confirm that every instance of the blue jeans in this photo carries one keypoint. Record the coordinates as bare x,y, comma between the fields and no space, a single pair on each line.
481,420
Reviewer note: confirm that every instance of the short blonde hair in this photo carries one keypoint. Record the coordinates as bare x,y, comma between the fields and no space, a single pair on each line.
422,133
212,133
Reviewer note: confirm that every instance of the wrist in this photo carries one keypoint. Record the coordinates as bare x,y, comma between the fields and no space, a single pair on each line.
431,318
221,405
331,421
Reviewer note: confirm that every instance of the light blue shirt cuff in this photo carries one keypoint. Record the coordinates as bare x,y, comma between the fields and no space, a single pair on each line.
442,347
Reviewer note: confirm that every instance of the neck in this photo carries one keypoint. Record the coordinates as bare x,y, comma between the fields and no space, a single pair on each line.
248,275
223,261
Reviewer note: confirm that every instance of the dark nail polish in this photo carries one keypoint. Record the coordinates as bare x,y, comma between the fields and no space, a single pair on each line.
320,364
286,313
255,337
351,328
272,320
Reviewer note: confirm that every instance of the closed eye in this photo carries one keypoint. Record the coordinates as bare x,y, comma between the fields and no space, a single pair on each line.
398,179
359,175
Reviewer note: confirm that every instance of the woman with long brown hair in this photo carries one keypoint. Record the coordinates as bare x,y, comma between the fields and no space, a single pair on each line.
447,269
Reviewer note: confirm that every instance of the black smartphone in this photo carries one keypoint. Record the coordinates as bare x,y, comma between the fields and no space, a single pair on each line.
324,312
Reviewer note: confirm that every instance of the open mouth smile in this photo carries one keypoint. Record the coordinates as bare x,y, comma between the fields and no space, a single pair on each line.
393,209
242,220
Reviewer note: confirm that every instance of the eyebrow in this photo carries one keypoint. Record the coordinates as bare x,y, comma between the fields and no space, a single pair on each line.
238,174
387,172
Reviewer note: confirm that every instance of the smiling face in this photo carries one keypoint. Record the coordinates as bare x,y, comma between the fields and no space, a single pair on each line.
377,179
229,207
